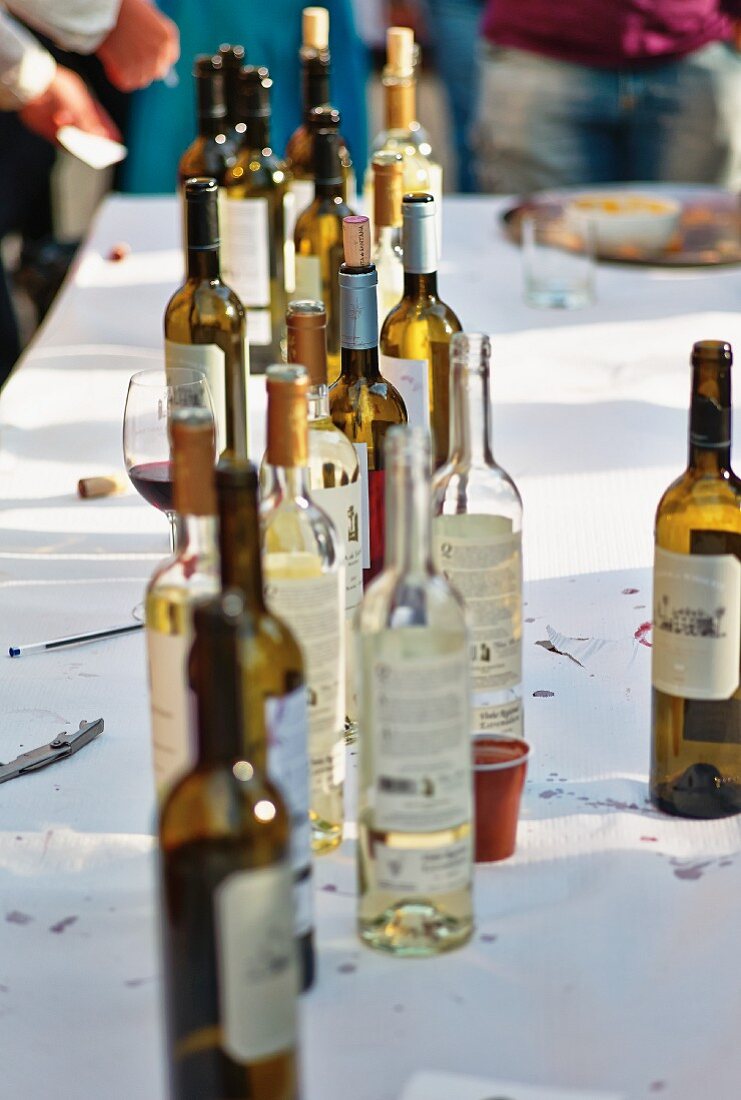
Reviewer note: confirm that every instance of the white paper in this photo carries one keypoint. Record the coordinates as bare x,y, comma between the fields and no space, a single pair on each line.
411,377
452,1086
92,149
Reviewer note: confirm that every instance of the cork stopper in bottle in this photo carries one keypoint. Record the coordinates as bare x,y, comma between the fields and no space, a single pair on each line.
356,241
315,29
388,185
306,338
400,51
288,416
194,454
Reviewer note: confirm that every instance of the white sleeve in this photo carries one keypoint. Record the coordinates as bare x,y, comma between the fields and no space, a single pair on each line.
26,68
77,25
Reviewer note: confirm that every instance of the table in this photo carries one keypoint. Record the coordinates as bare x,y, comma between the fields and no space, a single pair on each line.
606,953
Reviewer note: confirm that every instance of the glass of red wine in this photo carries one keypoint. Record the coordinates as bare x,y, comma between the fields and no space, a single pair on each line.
152,398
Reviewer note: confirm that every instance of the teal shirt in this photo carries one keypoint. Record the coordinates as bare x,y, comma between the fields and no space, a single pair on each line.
162,121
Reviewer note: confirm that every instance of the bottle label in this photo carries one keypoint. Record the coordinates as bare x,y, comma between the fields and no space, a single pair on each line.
259,327
287,728
411,377
308,277
211,361
303,193
420,733
257,963
173,747
426,872
482,558
312,607
289,248
697,624
361,450
245,250
343,506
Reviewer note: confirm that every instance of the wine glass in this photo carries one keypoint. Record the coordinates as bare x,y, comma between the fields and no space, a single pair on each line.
152,397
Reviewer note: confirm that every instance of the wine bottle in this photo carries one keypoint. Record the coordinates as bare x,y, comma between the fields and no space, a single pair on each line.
273,686
362,403
415,337
204,321
334,473
318,241
414,821
175,587
477,542
402,132
214,150
304,569
225,878
232,59
387,254
696,698
258,253
315,72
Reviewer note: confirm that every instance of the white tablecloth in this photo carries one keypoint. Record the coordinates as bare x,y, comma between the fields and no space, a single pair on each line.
606,954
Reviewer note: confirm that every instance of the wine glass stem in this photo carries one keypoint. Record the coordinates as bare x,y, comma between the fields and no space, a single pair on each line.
173,521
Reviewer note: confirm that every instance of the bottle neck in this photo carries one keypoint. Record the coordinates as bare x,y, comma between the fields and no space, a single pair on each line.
290,483
239,545
318,403
197,536
257,131
408,516
211,105
217,682
420,286
710,419
203,264
401,102
328,189
314,81
470,415
359,322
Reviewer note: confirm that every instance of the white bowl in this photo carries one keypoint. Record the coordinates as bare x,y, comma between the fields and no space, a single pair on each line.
625,219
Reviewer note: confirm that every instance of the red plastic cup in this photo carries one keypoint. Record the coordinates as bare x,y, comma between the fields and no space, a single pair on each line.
499,768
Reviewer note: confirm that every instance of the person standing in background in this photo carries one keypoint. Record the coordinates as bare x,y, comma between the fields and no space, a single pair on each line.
134,44
453,31
163,120
592,91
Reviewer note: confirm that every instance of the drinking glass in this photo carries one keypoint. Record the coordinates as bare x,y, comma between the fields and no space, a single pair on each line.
558,260
152,397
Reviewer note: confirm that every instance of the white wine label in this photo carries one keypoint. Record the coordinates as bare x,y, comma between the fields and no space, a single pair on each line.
245,250
312,608
287,729
361,450
411,377
173,746
697,624
504,717
257,963
343,505
303,193
420,732
423,871
328,768
482,558
210,359
289,248
259,327
308,277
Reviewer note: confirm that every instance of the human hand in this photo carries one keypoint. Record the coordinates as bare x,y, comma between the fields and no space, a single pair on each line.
142,47
67,102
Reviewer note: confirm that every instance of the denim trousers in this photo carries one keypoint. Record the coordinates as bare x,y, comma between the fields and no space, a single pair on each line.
544,123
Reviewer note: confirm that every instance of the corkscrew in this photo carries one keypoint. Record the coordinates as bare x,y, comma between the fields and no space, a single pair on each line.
63,745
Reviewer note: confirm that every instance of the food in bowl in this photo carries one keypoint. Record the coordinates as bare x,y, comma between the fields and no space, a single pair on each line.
625,219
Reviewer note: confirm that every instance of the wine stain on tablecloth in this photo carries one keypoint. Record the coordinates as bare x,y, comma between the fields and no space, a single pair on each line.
60,926
16,917
543,694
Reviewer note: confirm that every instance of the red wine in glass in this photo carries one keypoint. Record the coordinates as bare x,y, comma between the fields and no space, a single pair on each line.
153,481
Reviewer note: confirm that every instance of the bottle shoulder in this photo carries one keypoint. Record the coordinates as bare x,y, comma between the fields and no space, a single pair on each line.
695,502
460,488
394,600
300,533
366,401
327,444
425,312
207,157
210,803
255,170
206,302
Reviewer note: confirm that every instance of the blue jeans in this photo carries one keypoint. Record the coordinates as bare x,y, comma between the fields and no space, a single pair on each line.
544,123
